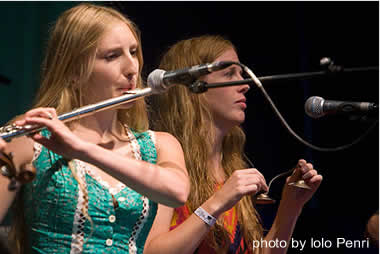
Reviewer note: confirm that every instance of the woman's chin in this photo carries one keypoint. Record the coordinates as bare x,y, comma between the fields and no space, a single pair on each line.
126,105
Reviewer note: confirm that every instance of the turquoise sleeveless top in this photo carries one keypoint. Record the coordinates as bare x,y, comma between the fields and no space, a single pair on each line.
55,206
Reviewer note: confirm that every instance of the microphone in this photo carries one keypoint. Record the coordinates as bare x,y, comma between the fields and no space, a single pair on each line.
160,80
317,107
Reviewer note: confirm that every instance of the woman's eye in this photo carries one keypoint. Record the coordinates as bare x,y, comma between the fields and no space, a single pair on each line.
110,57
133,52
230,74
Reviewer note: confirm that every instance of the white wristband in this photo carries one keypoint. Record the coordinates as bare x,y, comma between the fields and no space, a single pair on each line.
205,216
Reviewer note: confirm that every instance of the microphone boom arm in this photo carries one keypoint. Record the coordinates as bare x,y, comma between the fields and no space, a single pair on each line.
201,86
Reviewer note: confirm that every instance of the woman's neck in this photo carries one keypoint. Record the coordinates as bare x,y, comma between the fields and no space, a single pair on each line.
102,127
216,155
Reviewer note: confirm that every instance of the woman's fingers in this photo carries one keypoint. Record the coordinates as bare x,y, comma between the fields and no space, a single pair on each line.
314,181
38,113
262,186
249,177
309,174
42,112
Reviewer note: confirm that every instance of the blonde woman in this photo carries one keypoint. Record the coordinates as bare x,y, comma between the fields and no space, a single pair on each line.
99,179
219,216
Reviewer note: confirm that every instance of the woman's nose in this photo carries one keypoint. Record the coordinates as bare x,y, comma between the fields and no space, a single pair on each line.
244,88
130,66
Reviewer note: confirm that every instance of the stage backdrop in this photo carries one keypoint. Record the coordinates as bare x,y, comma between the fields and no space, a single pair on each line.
272,38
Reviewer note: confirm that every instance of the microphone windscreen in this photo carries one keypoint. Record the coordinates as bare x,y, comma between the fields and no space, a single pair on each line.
314,107
155,81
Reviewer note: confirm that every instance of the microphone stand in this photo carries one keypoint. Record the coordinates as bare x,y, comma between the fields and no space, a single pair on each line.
202,86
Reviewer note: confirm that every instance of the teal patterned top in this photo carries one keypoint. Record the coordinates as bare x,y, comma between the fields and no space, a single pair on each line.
55,205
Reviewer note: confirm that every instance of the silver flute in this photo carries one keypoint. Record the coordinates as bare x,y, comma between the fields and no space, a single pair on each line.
12,131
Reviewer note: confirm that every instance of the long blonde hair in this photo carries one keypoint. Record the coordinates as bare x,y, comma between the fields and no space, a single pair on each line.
70,57
188,118
67,66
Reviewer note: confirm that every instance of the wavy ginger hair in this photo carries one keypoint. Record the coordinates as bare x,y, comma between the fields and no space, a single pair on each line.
186,115
67,67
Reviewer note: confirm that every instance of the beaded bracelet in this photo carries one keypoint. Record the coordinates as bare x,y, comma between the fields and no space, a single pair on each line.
205,216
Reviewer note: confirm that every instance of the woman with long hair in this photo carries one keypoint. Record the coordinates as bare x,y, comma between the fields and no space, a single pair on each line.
98,179
219,216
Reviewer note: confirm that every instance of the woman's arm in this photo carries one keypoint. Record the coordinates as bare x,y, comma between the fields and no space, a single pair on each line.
166,182
292,201
183,239
186,238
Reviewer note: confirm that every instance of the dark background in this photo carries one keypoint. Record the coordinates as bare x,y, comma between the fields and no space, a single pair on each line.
272,38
